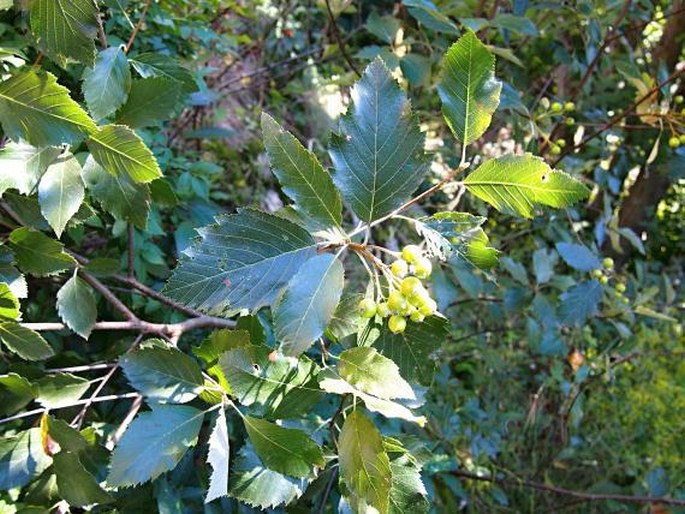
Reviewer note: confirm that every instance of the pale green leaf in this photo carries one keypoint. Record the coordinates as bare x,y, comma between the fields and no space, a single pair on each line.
38,254
241,262
364,464
308,303
34,107
160,65
219,342
22,458
61,192
9,305
22,165
468,88
378,152
301,175
346,319
260,487
77,306
368,371
283,387
106,86
218,458
118,195
65,28
16,392
120,151
163,374
154,443
75,484
61,390
26,343
12,277
284,450
149,102
515,184
6,4
408,495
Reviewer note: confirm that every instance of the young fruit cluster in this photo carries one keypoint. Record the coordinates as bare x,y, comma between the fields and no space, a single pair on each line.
408,298
602,275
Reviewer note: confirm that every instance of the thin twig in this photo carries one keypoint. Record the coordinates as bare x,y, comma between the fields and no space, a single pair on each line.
131,251
135,407
109,296
136,29
339,40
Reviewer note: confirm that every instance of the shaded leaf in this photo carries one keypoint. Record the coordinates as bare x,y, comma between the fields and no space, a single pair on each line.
77,306
241,262
308,303
149,102
16,393
284,450
378,152
160,65
580,302
38,254
468,88
217,343
75,484
26,343
61,390
154,443
106,86
578,256
61,192
408,495
516,183
21,459
34,107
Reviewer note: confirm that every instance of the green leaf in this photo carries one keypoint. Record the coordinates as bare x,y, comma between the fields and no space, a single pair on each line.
61,192
284,450
578,256
34,107
285,388
163,374
118,195
378,154
149,102
218,458
160,65
308,303
260,487
346,319
65,28
21,459
61,390
364,465
9,305
154,443
368,371
580,302
75,484
414,350
120,151
26,343
68,438
106,86
77,306
16,393
11,275
22,165
468,88
217,343
38,254
301,175
427,13
408,495
241,262
516,183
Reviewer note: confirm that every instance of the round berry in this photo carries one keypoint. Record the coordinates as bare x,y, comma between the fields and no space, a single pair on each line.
621,287
570,121
561,143
399,268
604,280
419,297
674,142
397,324
608,263
409,285
428,308
625,300
423,267
557,107
597,273
367,308
679,99
682,139
417,317
410,253
555,149
569,107
383,310
396,301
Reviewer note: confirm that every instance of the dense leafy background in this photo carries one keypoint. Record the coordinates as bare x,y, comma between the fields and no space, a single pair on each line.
550,369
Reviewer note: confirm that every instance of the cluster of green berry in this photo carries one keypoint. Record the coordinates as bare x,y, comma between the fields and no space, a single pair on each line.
568,108
602,276
675,141
407,297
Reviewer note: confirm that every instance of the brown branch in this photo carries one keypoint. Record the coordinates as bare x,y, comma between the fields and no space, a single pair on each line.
148,291
108,295
136,29
339,40
131,251
568,492
135,407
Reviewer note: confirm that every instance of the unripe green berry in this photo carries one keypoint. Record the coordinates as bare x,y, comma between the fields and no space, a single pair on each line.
569,107
682,139
383,310
399,268
561,143
570,121
411,253
429,307
679,99
555,149
618,294
408,310
674,142
419,297
625,300
396,301
597,273
397,324
417,317
604,280
557,107
367,308
409,285
608,263
621,287
423,267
